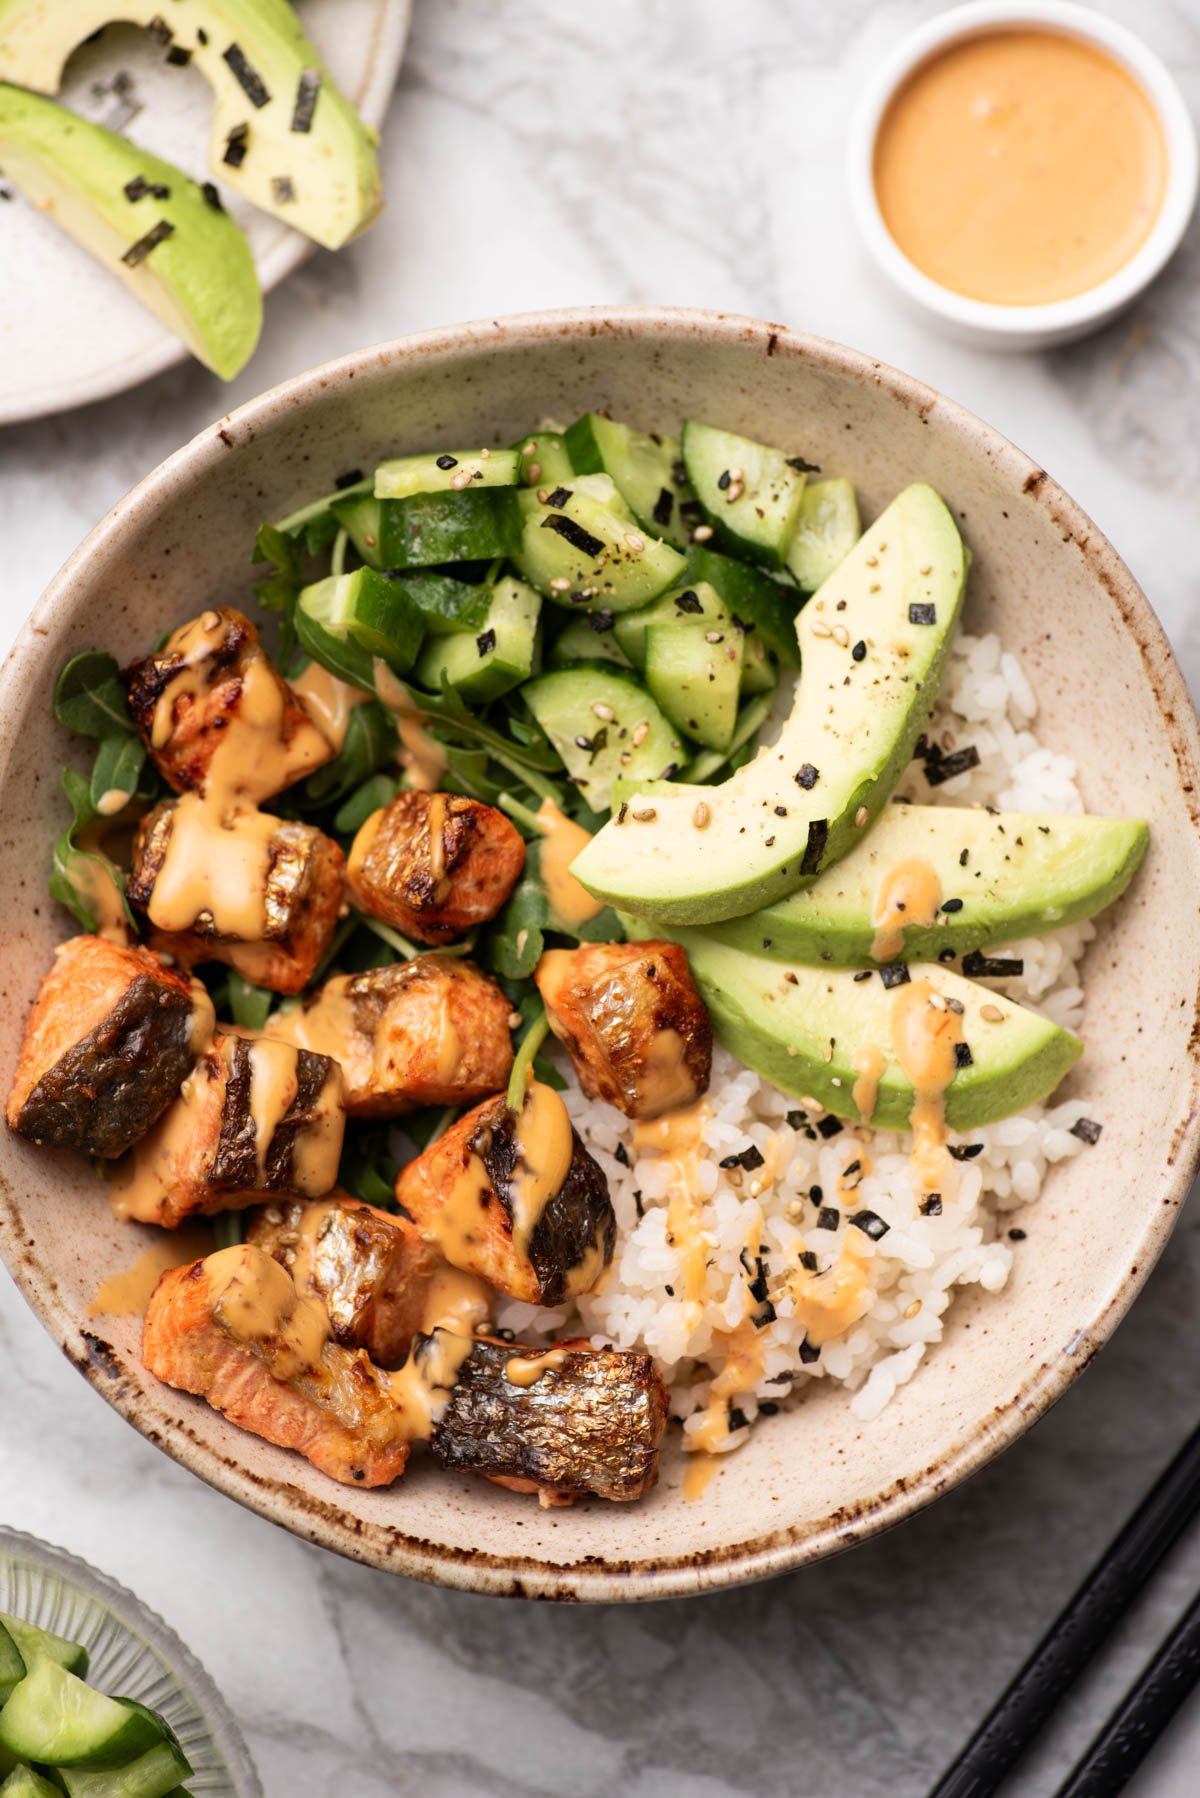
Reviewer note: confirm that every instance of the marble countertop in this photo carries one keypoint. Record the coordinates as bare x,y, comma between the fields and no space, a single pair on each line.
536,155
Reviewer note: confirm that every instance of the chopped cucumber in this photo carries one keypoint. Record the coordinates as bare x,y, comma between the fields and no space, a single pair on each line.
828,528
430,528
43,1645
583,547
753,597
373,611
482,665
360,515
749,493
452,472
446,603
53,1717
693,652
602,724
317,524
12,1663
580,641
155,1774
544,459
643,468
750,721
23,1782
760,666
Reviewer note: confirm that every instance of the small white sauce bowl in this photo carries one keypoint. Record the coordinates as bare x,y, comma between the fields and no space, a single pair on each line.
1057,321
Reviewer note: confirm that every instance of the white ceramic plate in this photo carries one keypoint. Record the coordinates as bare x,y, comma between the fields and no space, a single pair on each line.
131,1652
69,332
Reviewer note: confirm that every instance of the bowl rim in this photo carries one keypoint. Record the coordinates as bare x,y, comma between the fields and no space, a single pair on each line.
385,1545
1017,324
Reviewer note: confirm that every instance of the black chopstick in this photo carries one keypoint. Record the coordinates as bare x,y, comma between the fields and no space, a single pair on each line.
1138,1721
1078,1631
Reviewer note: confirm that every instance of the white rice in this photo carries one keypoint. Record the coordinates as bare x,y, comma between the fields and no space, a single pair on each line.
918,1266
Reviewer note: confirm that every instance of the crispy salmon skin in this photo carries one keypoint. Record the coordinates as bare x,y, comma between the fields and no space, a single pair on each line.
434,865
109,1041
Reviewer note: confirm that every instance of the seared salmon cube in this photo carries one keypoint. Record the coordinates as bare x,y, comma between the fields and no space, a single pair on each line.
636,1029
212,684
259,893
381,1283
431,1031
253,1118
233,1329
108,1043
565,1422
515,1199
433,865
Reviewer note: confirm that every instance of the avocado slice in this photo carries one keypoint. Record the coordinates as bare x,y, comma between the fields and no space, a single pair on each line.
152,225
283,134
1004,874
873,641
780,1019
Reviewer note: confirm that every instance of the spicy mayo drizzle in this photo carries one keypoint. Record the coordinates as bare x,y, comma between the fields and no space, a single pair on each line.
909,893
562,840
925,1035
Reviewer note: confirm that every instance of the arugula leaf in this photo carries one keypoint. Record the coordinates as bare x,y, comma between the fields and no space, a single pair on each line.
89,697
118,764
368,1169
250,1005
280,591
75,872
379,790
517,935
370,741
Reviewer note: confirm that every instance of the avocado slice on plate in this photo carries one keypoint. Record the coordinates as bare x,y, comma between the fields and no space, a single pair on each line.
283,135
154,227
964,878
782,1020
873,642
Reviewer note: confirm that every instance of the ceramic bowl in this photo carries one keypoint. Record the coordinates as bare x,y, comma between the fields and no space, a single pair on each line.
131,1652
1058,321
812,1480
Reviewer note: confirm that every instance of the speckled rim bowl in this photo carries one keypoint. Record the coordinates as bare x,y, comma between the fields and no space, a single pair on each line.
131,1652
1057,321
811,1480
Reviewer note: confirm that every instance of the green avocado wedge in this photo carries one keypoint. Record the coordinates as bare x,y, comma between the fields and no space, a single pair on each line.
780,1019
283,135
873,643
1003,875
145,220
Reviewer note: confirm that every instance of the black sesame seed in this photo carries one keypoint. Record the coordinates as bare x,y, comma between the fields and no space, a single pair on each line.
863,974
600,622
734,1160
962,860
815,1194
829,1126
1016,1235
723,479
213,198
768,1408
894,973
952,905
447,461
859,651
1086,1130
947,954
505,1335
966,1151
803,467
871,1224
851,1167
670,1291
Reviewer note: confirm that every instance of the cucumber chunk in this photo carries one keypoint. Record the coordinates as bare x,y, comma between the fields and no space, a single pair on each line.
643,469
52,1716
12,1663
760,666
602,725
452,472
544,459
581,641
373,611
446,603
481,665
431,528
827,530
155,1774
43,1645
583,547
23,1782
694,650
360,515
749,493
753,597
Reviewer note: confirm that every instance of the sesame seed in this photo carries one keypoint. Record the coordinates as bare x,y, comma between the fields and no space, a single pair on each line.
560,584
794,1211
812,1104
875,587
462,479
936,1000
737,474
701,816
640,733
543,495
841,635
647,815
702,533
928,568
948,739
484,454
528,448
820,629
872,561
714,636
602,711
992,1013
736,490
912,1309
534,471
634,543
861,816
